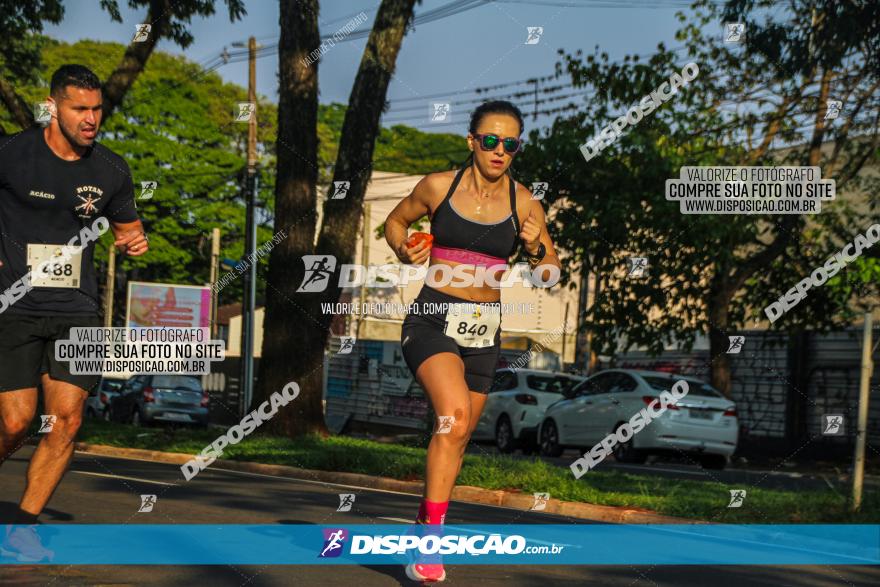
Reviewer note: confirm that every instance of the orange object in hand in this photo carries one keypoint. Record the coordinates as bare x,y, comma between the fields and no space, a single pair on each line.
418,237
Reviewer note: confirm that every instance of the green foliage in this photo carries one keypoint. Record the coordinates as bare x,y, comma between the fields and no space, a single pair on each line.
403,149
614,206
21,43
180,14
400,149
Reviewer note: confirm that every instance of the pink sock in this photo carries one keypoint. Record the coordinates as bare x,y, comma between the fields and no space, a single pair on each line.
433,512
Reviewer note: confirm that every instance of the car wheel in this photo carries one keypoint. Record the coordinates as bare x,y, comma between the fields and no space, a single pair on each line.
136,419
504,439
625,452
550,446
90,413
716,462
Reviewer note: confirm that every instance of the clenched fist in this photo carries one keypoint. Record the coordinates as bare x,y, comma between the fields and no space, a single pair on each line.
530,234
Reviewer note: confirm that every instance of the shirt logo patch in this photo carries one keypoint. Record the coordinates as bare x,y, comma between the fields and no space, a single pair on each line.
88,196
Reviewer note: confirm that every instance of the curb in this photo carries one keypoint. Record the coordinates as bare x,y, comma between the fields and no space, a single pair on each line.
461,493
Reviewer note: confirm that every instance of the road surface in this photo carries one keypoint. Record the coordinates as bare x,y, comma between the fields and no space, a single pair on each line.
100,489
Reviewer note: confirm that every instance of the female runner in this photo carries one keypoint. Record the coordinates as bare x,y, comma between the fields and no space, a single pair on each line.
452,347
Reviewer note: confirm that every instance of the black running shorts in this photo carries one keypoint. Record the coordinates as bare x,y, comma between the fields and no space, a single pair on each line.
27,350
423,336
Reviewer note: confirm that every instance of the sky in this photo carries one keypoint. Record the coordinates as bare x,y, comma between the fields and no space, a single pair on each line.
444,61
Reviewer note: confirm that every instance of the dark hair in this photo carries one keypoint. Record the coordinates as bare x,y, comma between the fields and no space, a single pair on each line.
75,75
493,107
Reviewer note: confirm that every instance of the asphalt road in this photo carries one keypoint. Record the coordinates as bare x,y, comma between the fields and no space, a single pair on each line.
106,490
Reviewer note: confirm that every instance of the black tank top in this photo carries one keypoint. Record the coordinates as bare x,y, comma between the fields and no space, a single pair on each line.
451,229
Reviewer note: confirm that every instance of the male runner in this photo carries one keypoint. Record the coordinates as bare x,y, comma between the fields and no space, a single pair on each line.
56,184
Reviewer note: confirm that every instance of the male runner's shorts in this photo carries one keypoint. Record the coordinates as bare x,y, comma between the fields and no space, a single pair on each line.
423,336
27,350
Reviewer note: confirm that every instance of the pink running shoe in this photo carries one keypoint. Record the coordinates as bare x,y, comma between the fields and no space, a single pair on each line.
24,545
428,568
426,573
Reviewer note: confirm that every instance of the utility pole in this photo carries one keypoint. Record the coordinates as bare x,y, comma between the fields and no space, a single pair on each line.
535,115
250,276
564,336
862,425
365,254
109,287
215,269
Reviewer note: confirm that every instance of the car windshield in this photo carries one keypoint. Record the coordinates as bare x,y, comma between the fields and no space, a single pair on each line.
694,387
550,384
112,384
174,381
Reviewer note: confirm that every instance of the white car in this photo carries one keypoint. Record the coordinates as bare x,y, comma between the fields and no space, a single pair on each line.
702,425
516,404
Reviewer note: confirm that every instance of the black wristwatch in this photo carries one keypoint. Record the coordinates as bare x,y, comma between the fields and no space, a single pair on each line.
542,250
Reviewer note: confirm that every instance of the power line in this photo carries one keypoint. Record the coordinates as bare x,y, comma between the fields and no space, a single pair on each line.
451,9
616,3
484,89
510,97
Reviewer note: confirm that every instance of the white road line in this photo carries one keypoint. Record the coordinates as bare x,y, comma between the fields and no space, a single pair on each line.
124,477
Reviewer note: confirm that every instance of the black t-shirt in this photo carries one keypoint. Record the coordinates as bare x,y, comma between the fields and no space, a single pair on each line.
46,200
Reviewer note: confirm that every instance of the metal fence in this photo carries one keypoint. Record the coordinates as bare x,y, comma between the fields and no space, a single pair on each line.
372,385
783,386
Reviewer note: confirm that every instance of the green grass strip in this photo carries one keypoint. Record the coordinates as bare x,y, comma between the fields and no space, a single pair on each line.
703,500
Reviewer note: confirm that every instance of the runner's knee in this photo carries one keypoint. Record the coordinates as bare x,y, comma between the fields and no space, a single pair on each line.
65,426
14,425
455,427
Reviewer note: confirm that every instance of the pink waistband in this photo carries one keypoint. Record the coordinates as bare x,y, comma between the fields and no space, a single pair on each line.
464,256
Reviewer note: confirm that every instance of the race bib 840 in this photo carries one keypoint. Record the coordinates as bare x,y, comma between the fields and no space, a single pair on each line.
471,327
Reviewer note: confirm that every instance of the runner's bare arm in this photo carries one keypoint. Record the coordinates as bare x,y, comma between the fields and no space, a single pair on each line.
130,236
407,211
535,225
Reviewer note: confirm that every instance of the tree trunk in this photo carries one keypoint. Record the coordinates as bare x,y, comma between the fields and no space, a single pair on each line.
293,347
296,331
340,228
136,56
721,292
718,345
16,105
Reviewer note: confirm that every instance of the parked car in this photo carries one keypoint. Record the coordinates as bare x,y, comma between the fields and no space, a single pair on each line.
98,403
703,423
161,398
516,404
